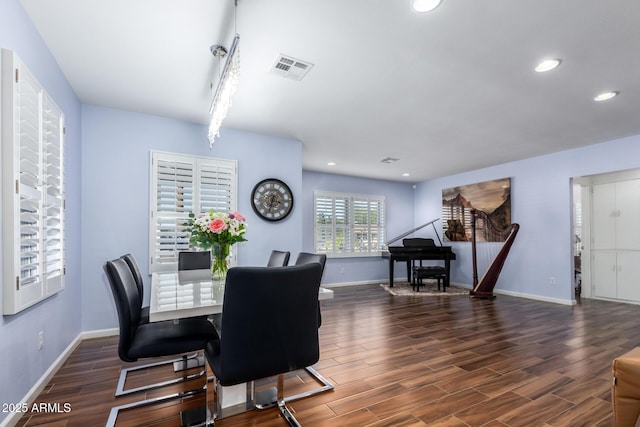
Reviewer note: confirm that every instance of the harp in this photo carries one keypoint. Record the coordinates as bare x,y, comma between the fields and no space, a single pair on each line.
484,287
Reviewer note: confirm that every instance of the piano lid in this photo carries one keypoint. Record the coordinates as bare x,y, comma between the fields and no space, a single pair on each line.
432,222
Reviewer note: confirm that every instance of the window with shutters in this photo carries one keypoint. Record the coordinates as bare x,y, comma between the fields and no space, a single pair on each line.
182,184
33,189
348,224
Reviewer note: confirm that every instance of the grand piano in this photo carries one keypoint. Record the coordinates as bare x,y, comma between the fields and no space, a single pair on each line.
414,249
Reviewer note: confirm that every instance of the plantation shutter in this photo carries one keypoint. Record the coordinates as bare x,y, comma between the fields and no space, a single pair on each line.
53,203
376,221
179,185
348,224
217,186
324,234
342,222
33,189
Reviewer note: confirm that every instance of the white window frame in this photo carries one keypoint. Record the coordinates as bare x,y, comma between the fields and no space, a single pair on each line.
349,228
213,184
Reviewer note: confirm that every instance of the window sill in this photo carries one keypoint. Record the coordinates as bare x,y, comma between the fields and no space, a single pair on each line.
355,255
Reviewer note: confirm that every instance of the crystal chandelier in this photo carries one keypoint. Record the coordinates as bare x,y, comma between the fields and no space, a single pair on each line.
226,86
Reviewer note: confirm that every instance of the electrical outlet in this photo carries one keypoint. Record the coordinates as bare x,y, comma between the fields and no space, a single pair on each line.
40,340
552,281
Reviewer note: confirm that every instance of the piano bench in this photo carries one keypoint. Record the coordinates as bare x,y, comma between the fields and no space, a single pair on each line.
429,272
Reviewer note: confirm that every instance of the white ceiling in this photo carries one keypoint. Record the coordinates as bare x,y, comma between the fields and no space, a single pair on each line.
444,92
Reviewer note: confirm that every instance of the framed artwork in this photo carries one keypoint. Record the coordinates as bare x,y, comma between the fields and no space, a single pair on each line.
493,198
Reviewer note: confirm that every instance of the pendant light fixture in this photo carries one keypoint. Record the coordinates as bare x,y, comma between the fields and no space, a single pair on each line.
227,83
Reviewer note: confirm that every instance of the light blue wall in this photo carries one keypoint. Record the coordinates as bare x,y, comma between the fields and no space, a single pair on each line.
107,183
399,218
58,317
541,204
115,198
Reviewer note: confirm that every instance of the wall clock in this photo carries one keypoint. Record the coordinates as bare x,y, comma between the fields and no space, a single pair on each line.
271,199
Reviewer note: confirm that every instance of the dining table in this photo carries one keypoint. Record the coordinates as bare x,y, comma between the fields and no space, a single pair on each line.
191,293
177,295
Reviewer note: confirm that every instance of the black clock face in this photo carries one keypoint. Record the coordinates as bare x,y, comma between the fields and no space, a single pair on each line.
271,199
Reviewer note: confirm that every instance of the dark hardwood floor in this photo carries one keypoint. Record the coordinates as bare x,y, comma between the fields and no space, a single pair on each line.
409,361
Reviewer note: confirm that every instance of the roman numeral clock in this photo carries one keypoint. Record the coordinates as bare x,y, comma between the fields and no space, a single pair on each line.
271,199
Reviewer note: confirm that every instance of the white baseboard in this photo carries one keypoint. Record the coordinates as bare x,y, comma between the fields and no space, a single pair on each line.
523,295
361,283
100,333
461,285
37,388
535,297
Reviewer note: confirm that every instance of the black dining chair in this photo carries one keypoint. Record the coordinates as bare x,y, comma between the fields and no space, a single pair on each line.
137,276
286,298
147,340
185,362
306,258
199,260
278,258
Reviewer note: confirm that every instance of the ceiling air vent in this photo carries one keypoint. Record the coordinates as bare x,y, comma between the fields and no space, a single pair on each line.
389,160
290,68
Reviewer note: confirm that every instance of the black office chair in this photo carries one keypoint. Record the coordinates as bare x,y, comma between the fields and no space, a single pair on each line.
145,340
278,259
286,298
194,260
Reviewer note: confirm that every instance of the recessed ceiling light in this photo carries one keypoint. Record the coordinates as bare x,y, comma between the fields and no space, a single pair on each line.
547,65
406,174
331,164
606,95
425,5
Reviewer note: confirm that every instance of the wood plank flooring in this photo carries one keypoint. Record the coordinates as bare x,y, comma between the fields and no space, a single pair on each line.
409,361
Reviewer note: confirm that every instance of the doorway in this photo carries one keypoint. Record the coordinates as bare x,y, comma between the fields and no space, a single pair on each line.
577,236
606,236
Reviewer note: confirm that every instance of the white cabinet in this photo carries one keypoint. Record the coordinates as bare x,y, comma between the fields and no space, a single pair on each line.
604,216
627,215
604,277
615,275
616,240
616,209
32,189
628,270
